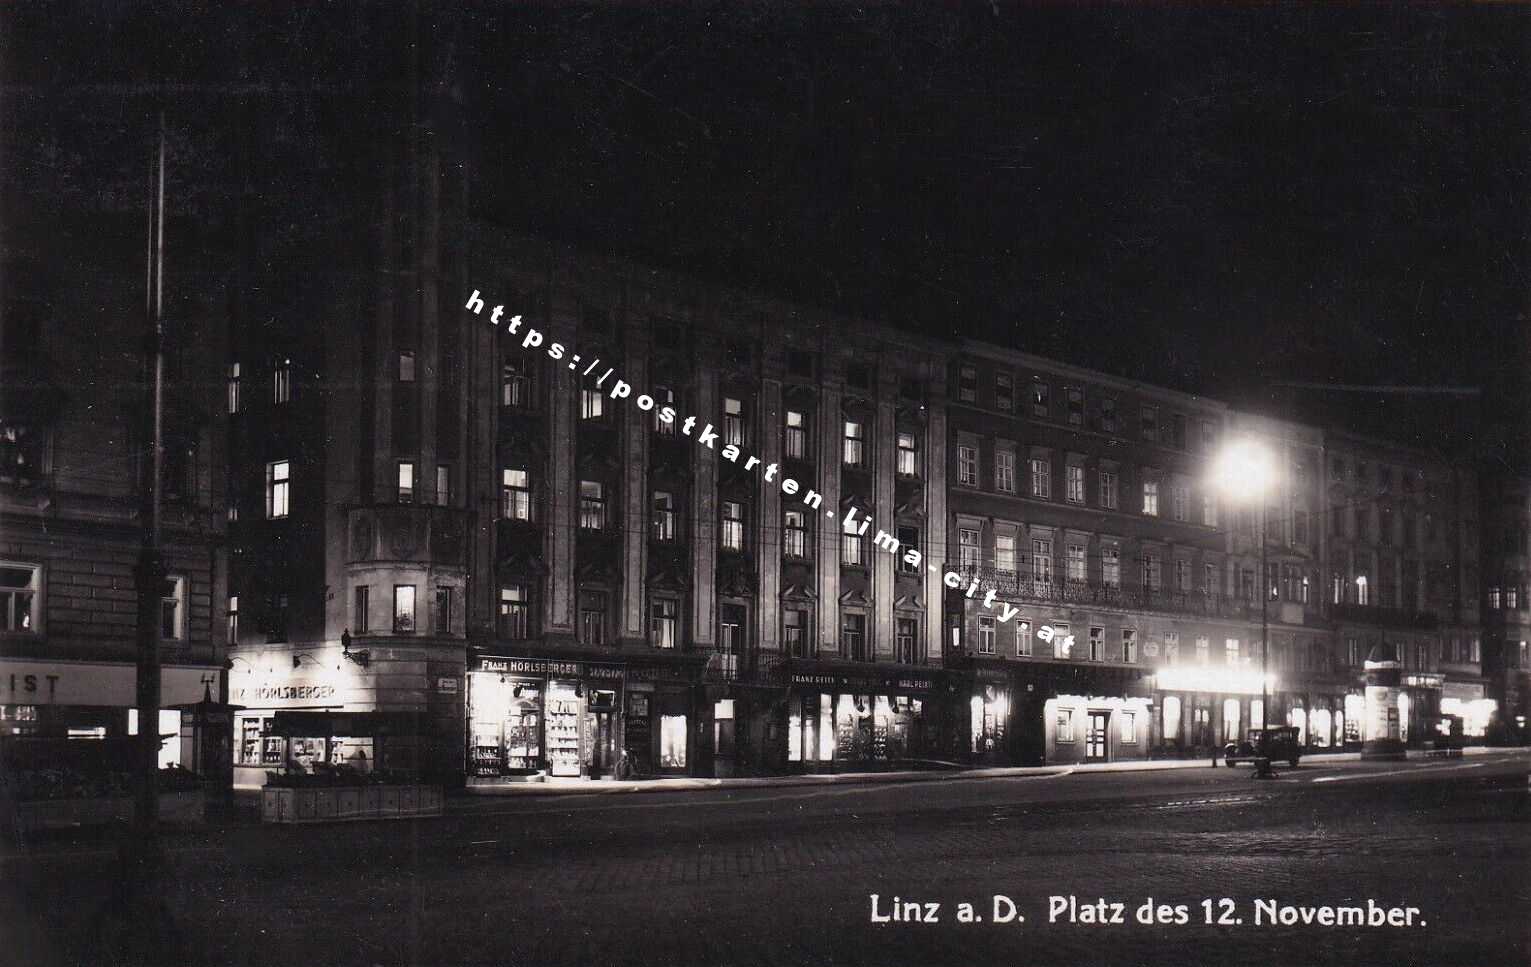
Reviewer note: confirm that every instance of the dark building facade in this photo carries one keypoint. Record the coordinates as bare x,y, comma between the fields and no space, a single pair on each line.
75,473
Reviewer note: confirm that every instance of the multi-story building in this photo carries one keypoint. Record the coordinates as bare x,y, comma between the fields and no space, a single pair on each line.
1085,500
75,474
1506,612
1401,572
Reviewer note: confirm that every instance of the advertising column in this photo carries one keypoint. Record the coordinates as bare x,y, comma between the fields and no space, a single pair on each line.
1383,737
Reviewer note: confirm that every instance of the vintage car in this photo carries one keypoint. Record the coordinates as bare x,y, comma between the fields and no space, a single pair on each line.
1281,743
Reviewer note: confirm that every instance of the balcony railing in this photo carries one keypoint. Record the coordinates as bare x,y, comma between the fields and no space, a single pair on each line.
1015,586
1388,617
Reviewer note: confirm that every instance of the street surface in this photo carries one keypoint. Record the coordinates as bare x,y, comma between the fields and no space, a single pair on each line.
785,876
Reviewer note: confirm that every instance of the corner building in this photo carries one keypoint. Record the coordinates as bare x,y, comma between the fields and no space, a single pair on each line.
659,608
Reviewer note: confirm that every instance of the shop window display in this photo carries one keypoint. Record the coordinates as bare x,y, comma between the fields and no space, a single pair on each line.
563,729
672,742
990,711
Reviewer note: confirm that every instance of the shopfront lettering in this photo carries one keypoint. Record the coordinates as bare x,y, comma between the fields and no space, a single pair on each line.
532,666
30,684
281,692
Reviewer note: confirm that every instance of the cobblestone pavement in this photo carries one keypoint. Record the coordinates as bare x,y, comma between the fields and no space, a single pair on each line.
785,877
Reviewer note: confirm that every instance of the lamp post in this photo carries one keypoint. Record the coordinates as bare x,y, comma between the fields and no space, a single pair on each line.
1243,469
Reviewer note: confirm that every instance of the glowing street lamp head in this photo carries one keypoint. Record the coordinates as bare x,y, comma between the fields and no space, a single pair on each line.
1244,469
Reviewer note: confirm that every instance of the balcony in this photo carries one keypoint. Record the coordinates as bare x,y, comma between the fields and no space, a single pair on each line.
1386,617
423,533
1013,586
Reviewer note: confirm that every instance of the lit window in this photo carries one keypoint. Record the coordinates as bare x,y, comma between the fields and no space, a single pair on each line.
1363,591
1493,598
662,622
1172,647
515,384
1074,477
1042,561
281,382
985,635
1004,471
1129,726
1097,644
1065,725
1129,645
733,525
1022,638
1041,478
515,495
1004,553
850,544
19,598
906,454
797,436
403,609
795,533
406,482
277,483
967,466
1203,650
1231,650
1111,566
1209,510
443,484
592,505
233,385
1076,563
172,609
590,404
733,421
1151,498
855,443
968,552
233,619
406,367
515,613
664,516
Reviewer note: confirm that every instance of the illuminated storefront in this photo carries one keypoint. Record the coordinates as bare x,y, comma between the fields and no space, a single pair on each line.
88,700
850,719
570,718
1467,700
1201,708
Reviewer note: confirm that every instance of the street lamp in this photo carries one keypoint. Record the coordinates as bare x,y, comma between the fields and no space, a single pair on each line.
1244,470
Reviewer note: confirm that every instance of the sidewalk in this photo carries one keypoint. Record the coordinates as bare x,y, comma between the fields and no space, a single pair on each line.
951,772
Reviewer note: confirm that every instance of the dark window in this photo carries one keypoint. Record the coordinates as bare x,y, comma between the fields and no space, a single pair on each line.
795,632
853,637
443,611
858,375
361,606
592,618
908,538
799,363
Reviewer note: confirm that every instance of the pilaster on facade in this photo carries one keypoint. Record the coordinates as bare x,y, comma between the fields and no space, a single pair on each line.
830,437
635,490
562,491
936,486
768,522
704,504
885,453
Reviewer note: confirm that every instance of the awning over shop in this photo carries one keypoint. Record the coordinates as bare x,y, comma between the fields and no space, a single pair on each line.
311,724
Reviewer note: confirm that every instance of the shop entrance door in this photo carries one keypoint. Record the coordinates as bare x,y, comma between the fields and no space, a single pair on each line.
601,757
1095,739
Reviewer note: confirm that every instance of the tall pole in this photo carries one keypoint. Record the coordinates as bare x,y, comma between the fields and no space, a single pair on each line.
150,572
1263,760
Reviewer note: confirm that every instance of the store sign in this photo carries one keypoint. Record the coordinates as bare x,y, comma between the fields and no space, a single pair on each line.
1462,691
532,666
861,682
447,685
268,692
1423,681
113,685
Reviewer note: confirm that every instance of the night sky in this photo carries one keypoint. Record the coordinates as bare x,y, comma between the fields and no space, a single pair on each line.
1207,199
